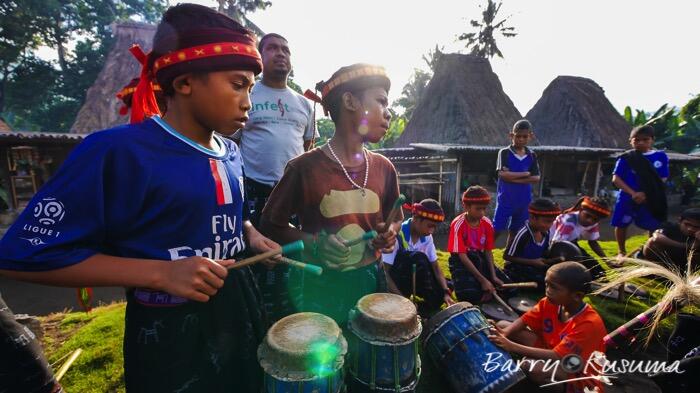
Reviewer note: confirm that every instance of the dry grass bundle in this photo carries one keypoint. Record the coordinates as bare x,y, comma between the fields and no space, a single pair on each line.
683,287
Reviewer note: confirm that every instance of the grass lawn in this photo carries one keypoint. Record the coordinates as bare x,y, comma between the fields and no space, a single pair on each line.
99,334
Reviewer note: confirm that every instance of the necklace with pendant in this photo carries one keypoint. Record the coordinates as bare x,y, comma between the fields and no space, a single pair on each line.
345,171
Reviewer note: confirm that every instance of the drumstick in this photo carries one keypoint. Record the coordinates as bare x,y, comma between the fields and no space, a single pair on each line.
286,249
396,209
504,304
64,368
313,269
527,284
365,236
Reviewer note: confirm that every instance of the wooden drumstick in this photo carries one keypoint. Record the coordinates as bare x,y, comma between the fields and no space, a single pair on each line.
527,284
504,304
313,269
286,249
64,368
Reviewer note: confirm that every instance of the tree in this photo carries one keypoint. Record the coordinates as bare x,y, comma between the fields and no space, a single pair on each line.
237,9
413,90
483,42
58,24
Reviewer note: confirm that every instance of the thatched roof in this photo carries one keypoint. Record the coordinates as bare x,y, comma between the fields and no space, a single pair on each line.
574,111
463,103
3,126
101,108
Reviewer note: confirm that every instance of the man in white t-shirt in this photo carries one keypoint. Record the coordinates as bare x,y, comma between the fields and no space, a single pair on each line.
281,126
415,246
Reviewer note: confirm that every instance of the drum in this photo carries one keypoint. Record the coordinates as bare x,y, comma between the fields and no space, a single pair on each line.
303,353
521,304
567,250
457,343
383,346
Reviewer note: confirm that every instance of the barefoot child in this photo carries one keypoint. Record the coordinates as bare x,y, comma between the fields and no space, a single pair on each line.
640,174
158,207
339,191
517,170
470,244
526,255
561,325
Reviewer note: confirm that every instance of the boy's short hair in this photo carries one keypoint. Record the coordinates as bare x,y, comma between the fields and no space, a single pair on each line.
191,25
476,195
646,130
544,207
572,276
355,79
264,38
691,214
522,125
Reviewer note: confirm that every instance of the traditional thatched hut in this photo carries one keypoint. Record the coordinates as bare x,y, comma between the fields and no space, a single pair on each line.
3,126
574,111
101,108
463,103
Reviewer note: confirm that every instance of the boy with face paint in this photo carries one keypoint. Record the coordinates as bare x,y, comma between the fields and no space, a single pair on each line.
157,206
339,191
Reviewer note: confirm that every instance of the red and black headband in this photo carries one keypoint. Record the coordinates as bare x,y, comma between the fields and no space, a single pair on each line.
419,210
201,50
597,209
552,212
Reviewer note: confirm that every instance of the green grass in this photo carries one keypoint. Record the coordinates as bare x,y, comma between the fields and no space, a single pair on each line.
99,334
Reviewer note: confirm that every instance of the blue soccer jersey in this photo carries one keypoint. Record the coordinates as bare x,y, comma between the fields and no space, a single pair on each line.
514,194
658,159
139,191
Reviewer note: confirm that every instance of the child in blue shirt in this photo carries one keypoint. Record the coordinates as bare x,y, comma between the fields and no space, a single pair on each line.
640,174
517,170
526,255
158,207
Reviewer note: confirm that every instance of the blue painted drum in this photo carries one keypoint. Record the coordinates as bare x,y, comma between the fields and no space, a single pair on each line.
457,342
303,353
383,346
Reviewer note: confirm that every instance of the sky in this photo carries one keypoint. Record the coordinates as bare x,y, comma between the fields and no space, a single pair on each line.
642,53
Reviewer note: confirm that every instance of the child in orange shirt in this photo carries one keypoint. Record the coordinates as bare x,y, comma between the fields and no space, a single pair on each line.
560,327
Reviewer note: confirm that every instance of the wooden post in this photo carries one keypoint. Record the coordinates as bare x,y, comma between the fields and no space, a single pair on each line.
585,176
458,185
542,169
440,185
597,178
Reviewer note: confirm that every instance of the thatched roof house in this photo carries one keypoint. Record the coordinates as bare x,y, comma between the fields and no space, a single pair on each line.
101,108
464,103
574,111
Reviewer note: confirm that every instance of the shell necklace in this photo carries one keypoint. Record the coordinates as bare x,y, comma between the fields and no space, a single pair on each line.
345,171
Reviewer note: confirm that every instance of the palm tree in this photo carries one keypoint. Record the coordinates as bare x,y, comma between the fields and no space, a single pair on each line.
483,42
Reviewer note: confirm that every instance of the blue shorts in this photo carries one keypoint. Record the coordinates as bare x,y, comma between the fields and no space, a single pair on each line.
510,217
626,212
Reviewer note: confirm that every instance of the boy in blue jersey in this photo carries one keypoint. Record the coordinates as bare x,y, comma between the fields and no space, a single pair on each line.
158,207
517,170
640,174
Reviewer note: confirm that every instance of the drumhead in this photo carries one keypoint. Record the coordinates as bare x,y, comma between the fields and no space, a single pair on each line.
385,318
565,249
438,319
302,346
497,312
